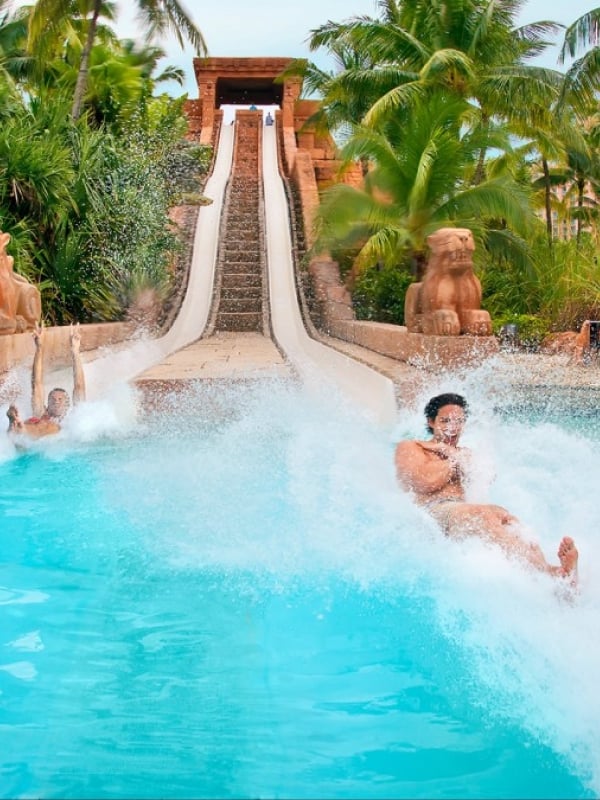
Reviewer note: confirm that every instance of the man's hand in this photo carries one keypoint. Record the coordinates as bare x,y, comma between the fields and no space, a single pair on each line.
441,449
15,422
75,338
459,458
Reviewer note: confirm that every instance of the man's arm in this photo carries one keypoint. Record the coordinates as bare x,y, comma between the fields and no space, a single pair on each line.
78,374
37,373
427,467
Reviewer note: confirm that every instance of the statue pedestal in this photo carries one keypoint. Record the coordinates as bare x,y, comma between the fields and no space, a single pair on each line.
429,352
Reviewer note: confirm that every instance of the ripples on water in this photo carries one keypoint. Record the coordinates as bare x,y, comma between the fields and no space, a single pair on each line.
234,599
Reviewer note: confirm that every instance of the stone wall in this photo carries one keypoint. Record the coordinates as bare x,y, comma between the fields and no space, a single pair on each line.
429,352
19,347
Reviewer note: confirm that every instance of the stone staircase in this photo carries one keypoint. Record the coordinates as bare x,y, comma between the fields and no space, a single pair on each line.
240,297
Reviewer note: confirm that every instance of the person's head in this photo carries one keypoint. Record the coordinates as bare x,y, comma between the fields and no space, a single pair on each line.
445,415
58,403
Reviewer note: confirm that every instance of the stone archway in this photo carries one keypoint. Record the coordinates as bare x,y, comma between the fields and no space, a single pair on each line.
240,81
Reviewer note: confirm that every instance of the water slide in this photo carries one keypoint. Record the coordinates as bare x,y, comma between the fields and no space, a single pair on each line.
315,362
373,391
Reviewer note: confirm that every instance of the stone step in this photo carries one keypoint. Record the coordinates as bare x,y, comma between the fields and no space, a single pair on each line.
239,254
241,292
241,280
240,305
243,205
240,262
242,215
241,235
247,222
239,322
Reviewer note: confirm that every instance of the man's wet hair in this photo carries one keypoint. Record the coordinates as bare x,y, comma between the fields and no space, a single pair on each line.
58,389
439,401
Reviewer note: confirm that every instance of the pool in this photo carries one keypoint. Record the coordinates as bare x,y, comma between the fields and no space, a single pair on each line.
235,601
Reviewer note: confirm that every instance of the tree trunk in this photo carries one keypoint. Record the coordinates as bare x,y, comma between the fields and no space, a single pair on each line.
580,193
547,201
82,75
479,174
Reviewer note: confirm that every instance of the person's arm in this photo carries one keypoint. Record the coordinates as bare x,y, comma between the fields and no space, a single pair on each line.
37,373
78,374
418,471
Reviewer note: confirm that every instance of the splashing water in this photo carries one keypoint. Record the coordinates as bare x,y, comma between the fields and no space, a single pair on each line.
234,599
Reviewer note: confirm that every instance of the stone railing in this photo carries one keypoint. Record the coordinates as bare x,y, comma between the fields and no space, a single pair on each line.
19,348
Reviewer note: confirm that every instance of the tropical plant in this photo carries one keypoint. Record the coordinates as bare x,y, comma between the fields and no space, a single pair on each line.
582,80
50,16
379,292
341,110
419,181
468,48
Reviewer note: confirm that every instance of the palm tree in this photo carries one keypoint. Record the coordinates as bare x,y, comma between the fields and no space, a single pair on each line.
419,180
470,48
582,79
561,142
156,17
342,110
15,64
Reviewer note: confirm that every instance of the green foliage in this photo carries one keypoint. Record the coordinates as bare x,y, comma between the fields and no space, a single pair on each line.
88,208
379,293
532,329
417,184
187,165
131,222
73,288
561,287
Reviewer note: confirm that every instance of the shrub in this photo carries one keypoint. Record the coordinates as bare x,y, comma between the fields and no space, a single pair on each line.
532,329
379,294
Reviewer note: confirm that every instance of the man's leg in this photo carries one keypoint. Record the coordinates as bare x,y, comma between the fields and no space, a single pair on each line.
497,525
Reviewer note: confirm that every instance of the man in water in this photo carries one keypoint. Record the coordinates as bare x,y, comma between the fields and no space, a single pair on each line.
436,472
47,419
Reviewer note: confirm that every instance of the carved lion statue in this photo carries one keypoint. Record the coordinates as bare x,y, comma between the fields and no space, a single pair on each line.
447,301
20,302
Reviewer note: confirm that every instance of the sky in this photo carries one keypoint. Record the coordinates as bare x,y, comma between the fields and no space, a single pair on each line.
281,27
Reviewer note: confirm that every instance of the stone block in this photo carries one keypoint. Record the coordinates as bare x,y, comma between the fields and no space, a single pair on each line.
429,352
19,347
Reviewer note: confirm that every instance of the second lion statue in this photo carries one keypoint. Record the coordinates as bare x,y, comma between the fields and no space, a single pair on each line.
447,302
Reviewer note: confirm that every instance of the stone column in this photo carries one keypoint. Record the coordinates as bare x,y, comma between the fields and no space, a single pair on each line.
207,90
291,92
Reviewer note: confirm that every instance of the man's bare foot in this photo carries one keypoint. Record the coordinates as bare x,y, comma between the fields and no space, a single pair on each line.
568,556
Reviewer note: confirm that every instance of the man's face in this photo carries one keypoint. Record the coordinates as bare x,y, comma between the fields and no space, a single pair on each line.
448,424
58,403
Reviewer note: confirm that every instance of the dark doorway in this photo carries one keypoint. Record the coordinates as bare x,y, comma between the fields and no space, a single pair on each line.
244,91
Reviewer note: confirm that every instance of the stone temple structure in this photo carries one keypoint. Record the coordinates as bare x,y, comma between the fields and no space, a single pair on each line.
308,161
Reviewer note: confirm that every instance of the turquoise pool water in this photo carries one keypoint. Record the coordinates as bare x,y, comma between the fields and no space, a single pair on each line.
237,602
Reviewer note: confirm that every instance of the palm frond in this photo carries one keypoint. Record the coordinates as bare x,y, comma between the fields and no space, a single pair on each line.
583,32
